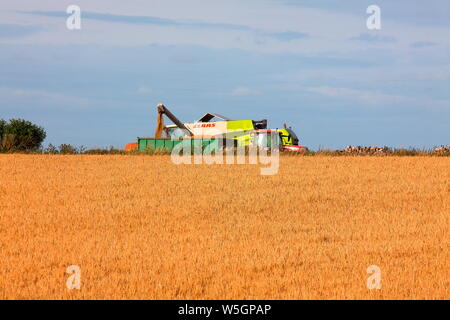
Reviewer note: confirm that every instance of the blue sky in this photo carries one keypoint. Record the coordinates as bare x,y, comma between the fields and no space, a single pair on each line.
313,64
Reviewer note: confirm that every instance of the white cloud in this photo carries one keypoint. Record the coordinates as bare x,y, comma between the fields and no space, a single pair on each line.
326,31
143,90
371,97
32,97
377,98
243,91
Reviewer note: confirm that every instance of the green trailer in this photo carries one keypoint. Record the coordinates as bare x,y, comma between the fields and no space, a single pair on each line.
167,144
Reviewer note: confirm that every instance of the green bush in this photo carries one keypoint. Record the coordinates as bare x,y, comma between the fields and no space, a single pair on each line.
101,151
67,149
63,149
20,135
51,149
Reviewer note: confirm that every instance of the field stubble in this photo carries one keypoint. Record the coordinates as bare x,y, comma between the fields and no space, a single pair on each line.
142,227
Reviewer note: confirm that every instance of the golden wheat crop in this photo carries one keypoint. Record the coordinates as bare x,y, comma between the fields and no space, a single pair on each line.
142,227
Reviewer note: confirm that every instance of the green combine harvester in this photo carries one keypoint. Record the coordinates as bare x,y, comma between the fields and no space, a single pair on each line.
207,133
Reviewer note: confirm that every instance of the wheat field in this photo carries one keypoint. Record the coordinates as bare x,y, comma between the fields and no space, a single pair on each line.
140,227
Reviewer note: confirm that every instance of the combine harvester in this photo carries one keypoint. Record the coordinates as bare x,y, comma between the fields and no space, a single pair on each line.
241,133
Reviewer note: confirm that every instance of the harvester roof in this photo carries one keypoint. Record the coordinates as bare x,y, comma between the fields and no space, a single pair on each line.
209,116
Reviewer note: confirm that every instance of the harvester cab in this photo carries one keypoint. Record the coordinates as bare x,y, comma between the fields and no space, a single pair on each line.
286,139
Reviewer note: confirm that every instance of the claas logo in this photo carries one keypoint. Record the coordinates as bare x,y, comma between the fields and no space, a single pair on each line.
204,125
